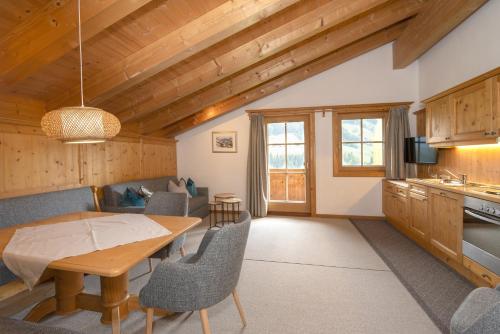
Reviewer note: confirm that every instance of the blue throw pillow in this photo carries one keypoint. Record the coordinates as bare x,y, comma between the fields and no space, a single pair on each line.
132,198
191,187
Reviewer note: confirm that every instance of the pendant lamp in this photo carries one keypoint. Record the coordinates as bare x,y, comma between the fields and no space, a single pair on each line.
80,124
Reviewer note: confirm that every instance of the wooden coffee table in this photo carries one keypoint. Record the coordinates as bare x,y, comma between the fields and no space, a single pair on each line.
112,265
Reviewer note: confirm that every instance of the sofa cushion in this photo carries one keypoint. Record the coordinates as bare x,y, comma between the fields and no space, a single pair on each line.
132,198
173,187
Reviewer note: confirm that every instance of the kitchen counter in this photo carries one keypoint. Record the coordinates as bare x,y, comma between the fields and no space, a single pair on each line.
400,183
472,190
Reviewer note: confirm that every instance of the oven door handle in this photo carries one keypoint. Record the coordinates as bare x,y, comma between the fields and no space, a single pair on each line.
475,215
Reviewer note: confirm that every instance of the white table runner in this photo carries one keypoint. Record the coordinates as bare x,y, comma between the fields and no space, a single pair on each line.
31,249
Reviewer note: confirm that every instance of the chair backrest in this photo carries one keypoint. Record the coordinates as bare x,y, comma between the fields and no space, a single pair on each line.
167,204
224,253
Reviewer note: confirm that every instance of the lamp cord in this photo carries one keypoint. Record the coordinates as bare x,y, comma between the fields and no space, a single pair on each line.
80,49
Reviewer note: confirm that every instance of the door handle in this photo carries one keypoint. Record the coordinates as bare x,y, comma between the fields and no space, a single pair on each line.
481,217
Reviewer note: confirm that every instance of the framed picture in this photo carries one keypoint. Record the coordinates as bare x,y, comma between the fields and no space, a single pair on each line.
224,142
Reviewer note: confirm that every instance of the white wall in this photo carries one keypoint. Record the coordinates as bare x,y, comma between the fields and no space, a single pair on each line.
366,79
468,51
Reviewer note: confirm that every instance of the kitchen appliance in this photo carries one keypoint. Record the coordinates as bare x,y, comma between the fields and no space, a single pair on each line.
481,232
418,151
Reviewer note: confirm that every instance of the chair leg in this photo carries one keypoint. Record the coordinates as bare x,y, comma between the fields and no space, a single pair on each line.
204,321
149,320
115,320
183,251
236,298
150,261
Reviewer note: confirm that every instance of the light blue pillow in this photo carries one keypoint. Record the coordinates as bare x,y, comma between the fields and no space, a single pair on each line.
132,198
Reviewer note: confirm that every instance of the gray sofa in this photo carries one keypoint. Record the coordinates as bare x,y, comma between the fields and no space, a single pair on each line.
113,195
25,209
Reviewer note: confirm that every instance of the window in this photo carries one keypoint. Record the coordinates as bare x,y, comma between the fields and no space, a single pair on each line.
359,143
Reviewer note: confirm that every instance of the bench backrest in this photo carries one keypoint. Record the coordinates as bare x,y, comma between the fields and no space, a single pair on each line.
25,209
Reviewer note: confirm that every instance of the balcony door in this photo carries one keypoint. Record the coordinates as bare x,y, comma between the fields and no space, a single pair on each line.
289,155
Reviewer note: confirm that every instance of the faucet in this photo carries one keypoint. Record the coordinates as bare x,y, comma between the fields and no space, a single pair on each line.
461,177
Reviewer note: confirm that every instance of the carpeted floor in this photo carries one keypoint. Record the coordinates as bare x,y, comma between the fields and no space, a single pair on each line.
437,288
300,275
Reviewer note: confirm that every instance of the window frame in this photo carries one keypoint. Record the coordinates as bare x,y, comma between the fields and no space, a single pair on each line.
356,112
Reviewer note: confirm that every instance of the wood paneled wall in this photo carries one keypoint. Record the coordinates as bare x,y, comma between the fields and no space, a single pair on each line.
480,163
32,163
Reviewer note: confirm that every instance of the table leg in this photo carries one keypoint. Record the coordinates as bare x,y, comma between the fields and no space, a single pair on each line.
43,309
68,286
114,299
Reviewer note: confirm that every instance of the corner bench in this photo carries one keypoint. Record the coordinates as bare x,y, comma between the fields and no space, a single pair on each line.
25,209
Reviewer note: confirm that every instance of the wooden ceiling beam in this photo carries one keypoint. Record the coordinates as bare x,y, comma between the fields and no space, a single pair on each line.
212,27
52,32
302,54
269,43
435,21
333,59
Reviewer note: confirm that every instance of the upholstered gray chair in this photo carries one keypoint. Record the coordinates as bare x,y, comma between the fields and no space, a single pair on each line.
198,281
479,313
167,204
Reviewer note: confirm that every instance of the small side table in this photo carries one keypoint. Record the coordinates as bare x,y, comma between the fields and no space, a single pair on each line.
213,206
219,197
231,206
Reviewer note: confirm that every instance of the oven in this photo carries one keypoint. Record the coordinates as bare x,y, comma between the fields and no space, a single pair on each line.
481,234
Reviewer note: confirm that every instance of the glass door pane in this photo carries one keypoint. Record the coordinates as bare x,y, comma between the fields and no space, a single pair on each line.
287,161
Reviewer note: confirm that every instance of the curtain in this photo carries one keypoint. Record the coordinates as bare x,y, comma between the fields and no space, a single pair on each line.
397,129
257,168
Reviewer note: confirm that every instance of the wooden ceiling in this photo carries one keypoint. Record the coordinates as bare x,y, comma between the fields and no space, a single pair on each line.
165,66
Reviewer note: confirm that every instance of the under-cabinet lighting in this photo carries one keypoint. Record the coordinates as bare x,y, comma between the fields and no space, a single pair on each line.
485,146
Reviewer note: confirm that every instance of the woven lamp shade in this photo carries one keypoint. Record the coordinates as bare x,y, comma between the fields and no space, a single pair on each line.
79,125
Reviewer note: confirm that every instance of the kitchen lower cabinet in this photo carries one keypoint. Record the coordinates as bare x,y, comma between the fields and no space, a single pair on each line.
419,223
446,215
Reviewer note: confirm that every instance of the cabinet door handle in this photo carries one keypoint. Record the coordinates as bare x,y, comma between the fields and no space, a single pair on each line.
486,276
486,133
493,133
442,194
447,138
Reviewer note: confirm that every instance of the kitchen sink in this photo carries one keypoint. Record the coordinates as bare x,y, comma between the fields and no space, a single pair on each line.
454,183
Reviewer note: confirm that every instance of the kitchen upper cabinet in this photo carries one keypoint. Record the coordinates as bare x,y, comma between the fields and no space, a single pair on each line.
496,106
438,120
472,111
468,113
419,223
446,213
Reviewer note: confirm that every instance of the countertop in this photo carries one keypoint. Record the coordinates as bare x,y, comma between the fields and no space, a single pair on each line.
472,190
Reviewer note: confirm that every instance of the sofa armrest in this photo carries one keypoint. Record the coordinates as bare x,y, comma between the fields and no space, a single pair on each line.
202,191
123,209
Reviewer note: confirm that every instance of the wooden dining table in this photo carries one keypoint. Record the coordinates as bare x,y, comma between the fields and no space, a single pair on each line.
112,265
